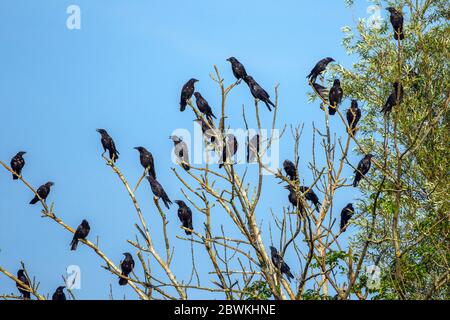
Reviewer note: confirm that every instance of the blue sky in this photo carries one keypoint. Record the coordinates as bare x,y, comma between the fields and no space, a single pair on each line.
123,72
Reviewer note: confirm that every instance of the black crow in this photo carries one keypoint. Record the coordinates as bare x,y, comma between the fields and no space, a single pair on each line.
397,23
346,215
181,152
108,144
204,107
253,148
335,96
293,199
318,69
229,149
24,279
147,161
43,192
186,93
159,191
279,263
237,67
258,92
310,195
127,266
363,168
396,97
353,116
185,215
208,131
290,169
321,91
17,163
59,294
81,233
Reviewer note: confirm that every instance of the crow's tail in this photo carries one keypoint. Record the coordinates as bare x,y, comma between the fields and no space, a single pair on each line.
167,202
355,182
35,200
122,281
182,105
332,110
113,155
267,104
289,275
74,244
188,226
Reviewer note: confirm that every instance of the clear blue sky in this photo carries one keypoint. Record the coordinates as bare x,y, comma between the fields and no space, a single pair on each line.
123,72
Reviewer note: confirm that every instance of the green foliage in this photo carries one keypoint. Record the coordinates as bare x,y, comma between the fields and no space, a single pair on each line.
258,290
413,143
314,295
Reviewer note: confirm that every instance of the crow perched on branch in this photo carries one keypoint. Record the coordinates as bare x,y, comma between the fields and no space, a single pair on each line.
346,215
147,161
229,149
159,191
318,69
126,266
185,215
396,97
258,92
353,116
43,192
279,263
293,199
335,96
81,233
23,277
186,93
238,68
321,91
108,144
204,107
397,23
290,169
208,132
310,195
181,152
59,294
253,147
17,163
363,168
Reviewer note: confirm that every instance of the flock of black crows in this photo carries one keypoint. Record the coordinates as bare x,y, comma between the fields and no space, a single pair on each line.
335,94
